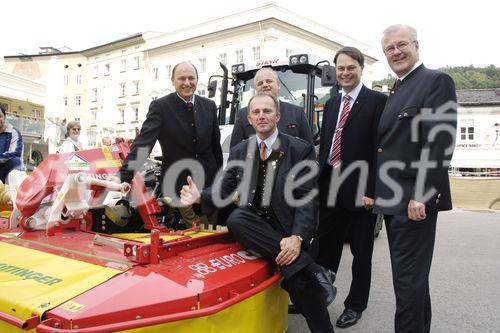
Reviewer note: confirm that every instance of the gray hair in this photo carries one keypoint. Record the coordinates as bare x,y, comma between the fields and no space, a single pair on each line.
397,27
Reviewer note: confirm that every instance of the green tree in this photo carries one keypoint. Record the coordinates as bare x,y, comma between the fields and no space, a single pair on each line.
465,77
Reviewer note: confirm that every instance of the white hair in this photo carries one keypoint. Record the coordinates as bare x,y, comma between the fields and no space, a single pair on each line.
397,27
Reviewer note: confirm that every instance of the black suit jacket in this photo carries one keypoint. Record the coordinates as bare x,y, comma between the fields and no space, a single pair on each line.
357,143
422,90
292,122
179,139
300,221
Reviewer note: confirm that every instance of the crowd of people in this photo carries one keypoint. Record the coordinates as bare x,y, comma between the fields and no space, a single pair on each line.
378,154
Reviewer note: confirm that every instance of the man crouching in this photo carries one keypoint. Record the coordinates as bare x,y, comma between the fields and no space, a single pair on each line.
276,207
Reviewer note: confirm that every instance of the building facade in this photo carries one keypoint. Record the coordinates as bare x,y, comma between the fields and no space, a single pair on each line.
477,149
109,87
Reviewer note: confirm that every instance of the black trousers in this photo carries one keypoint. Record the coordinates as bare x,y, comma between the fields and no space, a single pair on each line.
335,224
5,168
411,246
262,234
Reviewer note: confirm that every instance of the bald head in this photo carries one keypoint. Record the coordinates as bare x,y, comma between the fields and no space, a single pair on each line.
185,80
267,82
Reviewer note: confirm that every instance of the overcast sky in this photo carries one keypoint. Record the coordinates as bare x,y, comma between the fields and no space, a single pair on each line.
450,33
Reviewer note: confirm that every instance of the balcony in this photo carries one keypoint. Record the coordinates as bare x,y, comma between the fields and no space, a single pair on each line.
27,126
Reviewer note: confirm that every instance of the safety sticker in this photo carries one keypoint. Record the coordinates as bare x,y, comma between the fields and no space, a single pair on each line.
107,153
76,162
72,306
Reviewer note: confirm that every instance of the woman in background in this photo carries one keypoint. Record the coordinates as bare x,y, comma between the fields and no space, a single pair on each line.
72,143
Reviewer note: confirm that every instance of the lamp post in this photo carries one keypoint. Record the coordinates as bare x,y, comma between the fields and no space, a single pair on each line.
497,129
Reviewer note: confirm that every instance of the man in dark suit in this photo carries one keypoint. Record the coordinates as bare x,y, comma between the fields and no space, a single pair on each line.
186,127
416,137
348,136
293,119
276,213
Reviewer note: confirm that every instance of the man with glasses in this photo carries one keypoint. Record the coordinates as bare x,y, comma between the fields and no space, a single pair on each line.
416,137
348,136
293,119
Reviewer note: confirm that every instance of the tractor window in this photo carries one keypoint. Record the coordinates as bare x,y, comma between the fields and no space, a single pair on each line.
322,94
293,88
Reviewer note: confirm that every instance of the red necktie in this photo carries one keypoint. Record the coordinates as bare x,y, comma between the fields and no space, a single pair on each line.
396,85
335,151
263,154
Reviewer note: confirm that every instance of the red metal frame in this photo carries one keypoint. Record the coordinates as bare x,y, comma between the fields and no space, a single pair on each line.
161,281
53,171
27,324
53,325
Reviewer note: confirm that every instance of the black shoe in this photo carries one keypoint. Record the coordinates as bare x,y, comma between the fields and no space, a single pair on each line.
348,318
292,309
325,279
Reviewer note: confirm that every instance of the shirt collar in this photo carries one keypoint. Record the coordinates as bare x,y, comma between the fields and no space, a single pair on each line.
354,93
413,68
192,98
270,140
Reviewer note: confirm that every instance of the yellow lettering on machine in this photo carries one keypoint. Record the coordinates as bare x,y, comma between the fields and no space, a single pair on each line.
33,281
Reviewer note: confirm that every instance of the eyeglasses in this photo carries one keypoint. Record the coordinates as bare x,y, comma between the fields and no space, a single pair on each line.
401,46
76,129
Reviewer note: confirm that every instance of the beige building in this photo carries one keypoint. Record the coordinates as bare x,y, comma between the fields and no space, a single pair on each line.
116,74
24,102
477,150
109,87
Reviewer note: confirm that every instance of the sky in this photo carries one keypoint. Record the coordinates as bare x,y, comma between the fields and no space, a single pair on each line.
450,33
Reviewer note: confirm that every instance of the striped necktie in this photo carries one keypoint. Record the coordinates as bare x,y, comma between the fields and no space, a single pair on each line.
336,145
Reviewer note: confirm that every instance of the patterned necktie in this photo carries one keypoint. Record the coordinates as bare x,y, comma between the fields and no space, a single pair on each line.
263,151
335,151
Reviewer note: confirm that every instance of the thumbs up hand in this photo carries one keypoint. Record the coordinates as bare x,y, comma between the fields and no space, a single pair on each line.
190,193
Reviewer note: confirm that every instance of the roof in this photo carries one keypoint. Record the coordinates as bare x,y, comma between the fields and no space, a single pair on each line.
26,56
479,96
114,44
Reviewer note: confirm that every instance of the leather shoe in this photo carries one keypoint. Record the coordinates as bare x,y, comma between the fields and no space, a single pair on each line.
325,278
348,318
292,309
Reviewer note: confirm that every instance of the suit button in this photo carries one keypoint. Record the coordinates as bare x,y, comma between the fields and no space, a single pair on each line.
405,114
194,140
249,204
379,150
196,155
439,195
253,191
437,201
192,124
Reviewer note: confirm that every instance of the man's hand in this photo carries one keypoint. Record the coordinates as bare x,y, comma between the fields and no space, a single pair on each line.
416,210
290,250
236,198
189,193
368,202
